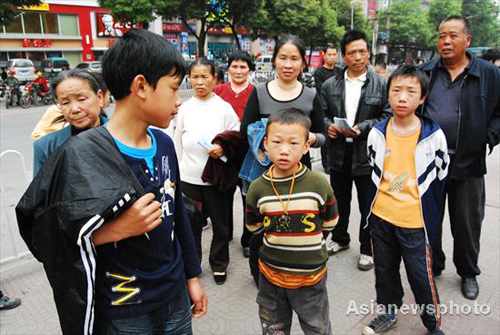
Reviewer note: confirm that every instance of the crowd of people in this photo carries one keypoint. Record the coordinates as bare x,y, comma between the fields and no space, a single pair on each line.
116,208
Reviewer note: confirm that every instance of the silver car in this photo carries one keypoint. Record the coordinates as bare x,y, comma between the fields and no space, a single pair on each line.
24,69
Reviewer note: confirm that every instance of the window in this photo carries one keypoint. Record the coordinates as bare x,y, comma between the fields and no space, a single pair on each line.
69,25
16,26
50,24
32,23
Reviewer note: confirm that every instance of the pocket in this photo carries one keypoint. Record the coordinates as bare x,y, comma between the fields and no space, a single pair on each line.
267,307
373,100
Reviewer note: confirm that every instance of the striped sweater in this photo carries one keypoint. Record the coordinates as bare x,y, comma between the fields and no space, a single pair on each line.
294,246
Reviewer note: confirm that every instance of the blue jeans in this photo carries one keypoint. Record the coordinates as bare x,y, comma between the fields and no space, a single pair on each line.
175,318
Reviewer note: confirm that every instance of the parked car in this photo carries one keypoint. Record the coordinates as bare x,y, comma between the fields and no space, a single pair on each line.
24,69
264,63
93,66
52,66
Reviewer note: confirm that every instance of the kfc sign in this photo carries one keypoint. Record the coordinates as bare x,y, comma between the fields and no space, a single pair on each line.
108,27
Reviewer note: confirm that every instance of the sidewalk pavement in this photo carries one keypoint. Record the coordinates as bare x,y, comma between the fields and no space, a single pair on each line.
232,309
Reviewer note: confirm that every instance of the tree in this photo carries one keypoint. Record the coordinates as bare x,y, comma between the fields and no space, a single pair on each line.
441,9
409,24
132,11
8,9
279,17
343,8
234,13
483,15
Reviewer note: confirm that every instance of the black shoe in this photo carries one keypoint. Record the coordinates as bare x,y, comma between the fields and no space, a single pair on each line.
246,252
220,277
470,288
380,325
436,331
9,303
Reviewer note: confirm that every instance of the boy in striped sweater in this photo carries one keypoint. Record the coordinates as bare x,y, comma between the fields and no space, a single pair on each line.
293,206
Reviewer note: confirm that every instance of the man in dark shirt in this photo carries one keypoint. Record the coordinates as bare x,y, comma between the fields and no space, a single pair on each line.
463,99
320,76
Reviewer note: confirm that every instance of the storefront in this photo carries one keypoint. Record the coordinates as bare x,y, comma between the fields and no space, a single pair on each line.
56,28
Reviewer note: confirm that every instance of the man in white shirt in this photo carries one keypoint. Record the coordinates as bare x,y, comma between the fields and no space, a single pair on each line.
359,96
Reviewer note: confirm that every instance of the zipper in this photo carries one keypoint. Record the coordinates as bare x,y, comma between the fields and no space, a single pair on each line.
381,176
460,113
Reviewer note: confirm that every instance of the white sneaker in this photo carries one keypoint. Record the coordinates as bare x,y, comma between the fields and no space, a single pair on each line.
365,262
334,247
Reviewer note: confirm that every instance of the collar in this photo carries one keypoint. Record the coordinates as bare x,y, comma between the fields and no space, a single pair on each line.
300,172
361,78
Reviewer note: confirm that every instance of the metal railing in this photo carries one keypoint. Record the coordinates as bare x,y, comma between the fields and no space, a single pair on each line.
12,236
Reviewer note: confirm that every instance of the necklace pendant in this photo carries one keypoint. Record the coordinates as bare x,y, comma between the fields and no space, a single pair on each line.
284,220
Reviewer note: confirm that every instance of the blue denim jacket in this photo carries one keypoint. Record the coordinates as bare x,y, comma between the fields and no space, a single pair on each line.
253,165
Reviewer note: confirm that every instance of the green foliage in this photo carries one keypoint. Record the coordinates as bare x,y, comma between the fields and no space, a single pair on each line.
8,9
483,15
132,11
441,9
343,8
409,24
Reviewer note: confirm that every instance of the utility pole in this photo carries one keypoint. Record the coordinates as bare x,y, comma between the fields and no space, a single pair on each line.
388,27
352,16
375,37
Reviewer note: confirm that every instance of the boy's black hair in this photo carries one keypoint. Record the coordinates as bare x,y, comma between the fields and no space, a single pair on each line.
241,55
205,62
464,20
290,115
294,40
330,46
351,36
140,52
410,71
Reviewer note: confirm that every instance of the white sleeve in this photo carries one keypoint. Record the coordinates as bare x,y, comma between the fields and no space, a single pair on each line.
179,128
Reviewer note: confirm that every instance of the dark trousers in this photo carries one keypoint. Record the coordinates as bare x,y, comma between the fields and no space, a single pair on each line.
390,244
213,202
341,182
466,201
324,155
276,306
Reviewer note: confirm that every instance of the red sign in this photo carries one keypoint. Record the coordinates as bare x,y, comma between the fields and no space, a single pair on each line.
37,43
47,43
108,27
168,26
26,43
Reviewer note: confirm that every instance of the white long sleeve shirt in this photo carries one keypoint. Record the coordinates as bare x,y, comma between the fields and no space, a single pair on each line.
199,119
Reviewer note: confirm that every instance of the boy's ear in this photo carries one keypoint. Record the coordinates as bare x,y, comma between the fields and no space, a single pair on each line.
265,142
138,86
422,99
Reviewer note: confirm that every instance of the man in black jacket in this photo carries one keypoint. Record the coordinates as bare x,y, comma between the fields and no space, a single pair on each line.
328,70
360,97
464,99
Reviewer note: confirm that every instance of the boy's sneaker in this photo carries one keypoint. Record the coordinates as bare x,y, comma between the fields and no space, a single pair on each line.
365,262
380,325
436,331
334,247
220,277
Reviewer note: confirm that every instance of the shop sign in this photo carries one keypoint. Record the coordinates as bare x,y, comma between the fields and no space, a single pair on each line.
43,7
176,27
37,43
108,27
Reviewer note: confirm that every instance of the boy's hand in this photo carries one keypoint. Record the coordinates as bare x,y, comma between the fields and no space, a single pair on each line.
143,216
334,131
198,296
216,152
